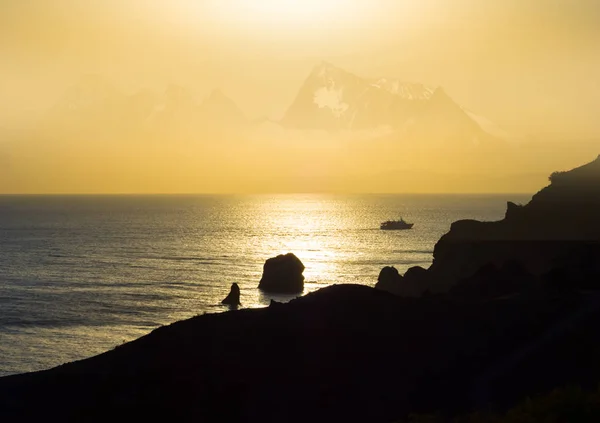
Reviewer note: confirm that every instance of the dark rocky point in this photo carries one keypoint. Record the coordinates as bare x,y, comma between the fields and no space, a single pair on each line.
416,275
233,298
411,284
275,304
282,275
389,280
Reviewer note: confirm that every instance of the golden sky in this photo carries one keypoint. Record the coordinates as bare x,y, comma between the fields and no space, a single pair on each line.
501,57
531,66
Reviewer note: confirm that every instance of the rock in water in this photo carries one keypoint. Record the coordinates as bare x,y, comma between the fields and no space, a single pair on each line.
283,275
233,298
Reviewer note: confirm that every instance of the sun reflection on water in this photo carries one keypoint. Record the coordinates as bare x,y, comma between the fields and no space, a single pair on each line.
119,267
303,226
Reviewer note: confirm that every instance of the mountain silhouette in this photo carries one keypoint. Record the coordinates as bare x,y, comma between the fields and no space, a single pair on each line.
218,109
94,108
91,106
90,92
332,98
443,121
329,99
174,111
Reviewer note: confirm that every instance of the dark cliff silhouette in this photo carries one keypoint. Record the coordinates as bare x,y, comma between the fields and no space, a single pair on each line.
558,230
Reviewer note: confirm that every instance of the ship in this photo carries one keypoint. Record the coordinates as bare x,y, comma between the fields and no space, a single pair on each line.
391,225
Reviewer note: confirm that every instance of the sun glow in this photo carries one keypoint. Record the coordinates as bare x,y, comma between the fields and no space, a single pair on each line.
290,12
292,9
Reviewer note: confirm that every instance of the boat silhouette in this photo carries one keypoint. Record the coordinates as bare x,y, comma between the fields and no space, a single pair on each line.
390,225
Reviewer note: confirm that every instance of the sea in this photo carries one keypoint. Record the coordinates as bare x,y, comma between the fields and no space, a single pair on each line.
80,275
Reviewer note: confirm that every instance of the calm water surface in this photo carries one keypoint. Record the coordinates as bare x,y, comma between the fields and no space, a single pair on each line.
82,274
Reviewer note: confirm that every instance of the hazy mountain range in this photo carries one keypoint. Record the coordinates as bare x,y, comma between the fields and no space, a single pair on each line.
330,99
95,106
341,132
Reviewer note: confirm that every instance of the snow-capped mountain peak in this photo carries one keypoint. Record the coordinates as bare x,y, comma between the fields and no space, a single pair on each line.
406,90
332,98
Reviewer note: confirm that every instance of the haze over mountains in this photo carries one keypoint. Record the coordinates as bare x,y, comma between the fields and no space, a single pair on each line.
341,132
94,107
330,99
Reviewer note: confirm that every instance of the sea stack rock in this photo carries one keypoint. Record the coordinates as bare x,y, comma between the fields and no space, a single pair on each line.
233,299
283,275
389,280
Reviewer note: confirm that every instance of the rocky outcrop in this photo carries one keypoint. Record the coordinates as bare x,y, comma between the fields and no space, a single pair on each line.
512,209
416,275
389,280
282,275
233,298
561,223
490,282
409,285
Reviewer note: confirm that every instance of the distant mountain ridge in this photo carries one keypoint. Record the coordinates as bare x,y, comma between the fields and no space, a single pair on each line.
332,98
94,106
329,99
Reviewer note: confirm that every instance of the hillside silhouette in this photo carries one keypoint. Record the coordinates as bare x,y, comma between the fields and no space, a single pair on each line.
558,230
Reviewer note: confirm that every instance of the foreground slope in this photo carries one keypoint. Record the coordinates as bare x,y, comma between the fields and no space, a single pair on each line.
344,353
